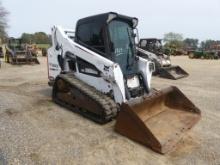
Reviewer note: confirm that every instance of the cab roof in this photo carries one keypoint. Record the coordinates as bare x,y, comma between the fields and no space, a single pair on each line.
106,18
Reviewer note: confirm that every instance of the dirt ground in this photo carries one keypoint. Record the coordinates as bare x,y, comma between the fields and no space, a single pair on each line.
34,130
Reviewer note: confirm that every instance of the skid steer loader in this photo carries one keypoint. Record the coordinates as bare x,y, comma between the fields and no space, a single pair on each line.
18,53
151,48
96,73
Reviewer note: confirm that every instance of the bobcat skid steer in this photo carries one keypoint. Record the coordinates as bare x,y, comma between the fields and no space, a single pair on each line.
96,73
151,48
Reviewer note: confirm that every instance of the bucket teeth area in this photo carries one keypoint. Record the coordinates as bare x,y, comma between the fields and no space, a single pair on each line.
169,126
173,72
159,122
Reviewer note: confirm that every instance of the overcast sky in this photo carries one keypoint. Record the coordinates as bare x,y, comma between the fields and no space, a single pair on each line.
192,18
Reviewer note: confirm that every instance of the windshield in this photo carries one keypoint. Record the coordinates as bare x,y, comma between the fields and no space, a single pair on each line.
123,43
153,45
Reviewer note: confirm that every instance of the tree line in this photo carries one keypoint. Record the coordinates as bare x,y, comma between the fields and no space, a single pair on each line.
3,22
36,38
176,41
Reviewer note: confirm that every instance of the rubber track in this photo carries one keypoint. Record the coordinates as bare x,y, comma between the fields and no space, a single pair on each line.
110,108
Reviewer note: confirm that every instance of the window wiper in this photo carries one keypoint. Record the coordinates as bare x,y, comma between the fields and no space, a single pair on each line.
131,47
128,59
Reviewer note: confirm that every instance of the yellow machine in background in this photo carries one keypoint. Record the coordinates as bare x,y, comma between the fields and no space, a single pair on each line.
18,53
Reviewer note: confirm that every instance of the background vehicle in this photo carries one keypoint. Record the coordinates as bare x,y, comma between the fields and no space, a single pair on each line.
151,48
18,53
212,54
1,52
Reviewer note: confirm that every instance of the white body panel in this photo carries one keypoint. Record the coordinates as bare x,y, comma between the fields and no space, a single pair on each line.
163,61
144,67
111,79
53,65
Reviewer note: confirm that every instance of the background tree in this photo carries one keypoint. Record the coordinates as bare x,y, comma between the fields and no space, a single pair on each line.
36,38
3,22
173,40
190,43
27,38
41,38
209,44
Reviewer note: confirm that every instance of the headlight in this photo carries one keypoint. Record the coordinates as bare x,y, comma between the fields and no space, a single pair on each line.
133,82
163,62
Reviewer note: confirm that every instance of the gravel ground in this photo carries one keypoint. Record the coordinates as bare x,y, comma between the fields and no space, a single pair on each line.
34,130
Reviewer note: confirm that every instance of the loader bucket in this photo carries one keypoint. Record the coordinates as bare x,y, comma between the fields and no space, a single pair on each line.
172,72
23,60
158,121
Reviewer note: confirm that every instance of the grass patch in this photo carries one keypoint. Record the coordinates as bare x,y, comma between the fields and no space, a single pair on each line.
43,46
